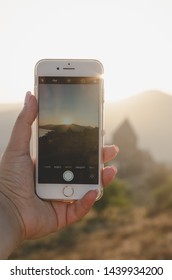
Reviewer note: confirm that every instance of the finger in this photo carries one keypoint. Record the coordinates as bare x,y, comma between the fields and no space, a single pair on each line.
108,175
81,207
109,153
21,134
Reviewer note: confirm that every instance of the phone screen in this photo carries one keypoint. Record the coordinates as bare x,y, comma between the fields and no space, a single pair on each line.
68,130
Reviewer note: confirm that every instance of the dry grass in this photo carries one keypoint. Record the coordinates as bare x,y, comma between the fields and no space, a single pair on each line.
118,234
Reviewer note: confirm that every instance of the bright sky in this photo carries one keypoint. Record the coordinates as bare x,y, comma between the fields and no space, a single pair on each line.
132,38
58,106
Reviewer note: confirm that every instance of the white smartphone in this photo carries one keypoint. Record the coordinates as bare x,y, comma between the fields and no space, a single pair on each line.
69,128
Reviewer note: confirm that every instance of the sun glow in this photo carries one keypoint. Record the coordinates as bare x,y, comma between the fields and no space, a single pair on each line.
67,121
136,48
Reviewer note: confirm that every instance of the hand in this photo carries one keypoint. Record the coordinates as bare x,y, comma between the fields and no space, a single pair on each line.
31,216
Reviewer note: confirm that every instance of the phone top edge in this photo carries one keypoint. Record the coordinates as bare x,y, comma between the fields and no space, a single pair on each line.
41,65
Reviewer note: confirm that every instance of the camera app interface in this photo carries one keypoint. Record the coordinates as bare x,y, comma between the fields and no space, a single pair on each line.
68,146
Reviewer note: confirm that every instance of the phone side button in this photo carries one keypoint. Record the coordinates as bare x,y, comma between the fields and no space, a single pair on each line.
68,191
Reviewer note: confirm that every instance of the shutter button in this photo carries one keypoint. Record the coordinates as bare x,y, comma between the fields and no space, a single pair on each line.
68,175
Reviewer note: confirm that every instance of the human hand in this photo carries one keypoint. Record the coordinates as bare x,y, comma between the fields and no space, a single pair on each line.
33,217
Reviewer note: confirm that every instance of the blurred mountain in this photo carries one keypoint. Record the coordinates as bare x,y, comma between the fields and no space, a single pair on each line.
150,114
65,127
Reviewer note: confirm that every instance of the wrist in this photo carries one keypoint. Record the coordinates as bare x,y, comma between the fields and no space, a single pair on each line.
10,229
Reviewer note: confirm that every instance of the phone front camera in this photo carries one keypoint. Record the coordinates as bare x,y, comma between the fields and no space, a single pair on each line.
58,68
68,64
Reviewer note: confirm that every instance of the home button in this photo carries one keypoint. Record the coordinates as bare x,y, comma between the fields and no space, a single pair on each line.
68,191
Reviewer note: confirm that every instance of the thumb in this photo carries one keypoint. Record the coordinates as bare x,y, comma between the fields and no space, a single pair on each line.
21,134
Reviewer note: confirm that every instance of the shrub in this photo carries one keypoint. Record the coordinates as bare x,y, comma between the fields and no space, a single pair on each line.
115,195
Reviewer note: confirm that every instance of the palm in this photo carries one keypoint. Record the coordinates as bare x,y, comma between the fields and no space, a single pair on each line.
38,217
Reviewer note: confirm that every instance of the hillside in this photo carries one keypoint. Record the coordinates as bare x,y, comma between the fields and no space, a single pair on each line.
150,115
65,127
131,235
118,226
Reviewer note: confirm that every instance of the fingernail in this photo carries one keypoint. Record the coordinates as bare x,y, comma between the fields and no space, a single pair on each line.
115,169
27,98
112,171
96,192
117,149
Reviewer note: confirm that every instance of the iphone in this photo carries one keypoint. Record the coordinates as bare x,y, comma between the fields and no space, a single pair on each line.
69,128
